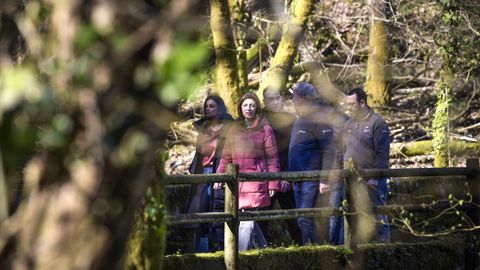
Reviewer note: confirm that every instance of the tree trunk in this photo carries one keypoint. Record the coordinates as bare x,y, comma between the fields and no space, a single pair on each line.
440,123
457,148
99,133
226,67
241,19
146,246
376,76
282,62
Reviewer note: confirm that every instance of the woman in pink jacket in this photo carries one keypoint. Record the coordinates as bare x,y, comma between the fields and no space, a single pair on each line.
250,143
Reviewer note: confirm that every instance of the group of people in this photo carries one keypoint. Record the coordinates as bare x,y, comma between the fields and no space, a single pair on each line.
318,137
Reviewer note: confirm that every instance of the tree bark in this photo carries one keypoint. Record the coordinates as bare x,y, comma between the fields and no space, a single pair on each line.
281,64
100,132
376,76
241,19
440,123
457,148
146,246
226,66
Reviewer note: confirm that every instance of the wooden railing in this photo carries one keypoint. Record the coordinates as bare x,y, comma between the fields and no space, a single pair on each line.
352,176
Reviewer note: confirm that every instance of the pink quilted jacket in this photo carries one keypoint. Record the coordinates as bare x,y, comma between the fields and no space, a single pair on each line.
254,149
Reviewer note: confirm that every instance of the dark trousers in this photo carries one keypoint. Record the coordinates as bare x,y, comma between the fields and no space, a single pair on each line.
306,195
335,231
217,229
378,196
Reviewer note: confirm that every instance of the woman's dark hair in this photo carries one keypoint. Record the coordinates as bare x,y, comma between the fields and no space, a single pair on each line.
221,108
252,96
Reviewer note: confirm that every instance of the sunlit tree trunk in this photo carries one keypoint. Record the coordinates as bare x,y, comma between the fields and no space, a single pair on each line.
241,19
226,67
376,76
282,62
418,148
440,125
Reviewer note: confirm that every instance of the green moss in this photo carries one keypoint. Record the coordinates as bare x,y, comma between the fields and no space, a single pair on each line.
441,119
446,253
146,245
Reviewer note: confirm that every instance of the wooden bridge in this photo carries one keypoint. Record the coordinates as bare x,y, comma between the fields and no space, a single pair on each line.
352,177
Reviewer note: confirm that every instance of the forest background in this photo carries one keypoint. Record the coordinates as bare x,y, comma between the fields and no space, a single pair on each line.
94,94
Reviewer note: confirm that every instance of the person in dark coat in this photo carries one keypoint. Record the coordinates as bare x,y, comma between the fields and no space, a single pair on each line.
312,147
281,123
211,128
366,141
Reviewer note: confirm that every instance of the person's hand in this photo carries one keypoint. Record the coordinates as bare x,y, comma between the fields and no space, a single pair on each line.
285,186
271,192
323,188
372,183
218,185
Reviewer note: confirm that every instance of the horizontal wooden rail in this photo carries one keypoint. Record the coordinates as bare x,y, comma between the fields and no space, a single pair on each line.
318,175
292,176
369,173
199,218
350,176
198,179
417,172
289,213
305,212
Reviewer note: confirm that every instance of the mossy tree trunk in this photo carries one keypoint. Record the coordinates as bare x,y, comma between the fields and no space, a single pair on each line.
97,129
440,124
282,62
456,147
376,75
241,20
226,66
146,246
448,46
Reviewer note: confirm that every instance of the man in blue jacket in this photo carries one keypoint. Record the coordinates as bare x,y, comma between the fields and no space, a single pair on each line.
311,148
366,140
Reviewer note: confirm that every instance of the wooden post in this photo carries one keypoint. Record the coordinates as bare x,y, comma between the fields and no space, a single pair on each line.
474,186
349,219
472,258
231,228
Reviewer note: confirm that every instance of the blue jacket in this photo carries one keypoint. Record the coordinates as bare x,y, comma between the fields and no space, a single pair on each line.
312,145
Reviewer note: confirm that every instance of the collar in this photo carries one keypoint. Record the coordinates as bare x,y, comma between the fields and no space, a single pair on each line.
367,115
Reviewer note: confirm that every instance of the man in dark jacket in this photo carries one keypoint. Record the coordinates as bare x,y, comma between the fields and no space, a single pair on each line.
311,147
281,123
366,141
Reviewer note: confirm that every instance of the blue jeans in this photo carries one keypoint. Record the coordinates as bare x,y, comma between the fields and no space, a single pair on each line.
378,196
335,231
305,194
